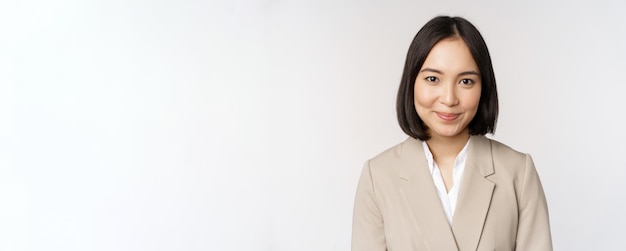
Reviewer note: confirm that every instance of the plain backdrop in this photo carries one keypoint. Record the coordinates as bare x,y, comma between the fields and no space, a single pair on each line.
243,125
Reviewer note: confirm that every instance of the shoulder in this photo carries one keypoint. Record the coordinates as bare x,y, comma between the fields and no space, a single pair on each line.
394,160
398,152
507,160
501,150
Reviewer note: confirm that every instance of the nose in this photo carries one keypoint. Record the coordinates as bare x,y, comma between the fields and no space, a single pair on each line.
448,95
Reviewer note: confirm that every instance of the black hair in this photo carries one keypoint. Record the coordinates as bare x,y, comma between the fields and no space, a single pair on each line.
435,30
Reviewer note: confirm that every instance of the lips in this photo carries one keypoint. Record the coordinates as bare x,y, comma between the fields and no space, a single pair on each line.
447,116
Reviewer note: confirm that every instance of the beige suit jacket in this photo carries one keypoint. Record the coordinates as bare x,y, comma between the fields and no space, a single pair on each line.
501,203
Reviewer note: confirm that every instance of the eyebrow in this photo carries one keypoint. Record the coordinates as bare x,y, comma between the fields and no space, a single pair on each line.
460,74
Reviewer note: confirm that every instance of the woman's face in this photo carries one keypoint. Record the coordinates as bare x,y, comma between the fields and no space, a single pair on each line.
447,89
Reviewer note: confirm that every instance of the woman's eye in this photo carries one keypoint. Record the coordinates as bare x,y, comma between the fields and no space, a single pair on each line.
467,81
431,79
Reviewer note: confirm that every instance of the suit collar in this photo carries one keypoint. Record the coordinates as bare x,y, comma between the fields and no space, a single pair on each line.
478,156
422,200
420,196
475,194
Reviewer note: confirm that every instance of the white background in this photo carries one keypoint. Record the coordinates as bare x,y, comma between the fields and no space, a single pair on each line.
243,125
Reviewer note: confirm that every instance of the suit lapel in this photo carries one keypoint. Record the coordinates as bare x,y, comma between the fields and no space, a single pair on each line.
474,194
420,195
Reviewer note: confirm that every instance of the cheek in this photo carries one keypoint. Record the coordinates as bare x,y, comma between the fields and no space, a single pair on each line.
473,100
423,98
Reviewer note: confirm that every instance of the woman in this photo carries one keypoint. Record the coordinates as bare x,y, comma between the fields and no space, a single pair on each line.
448,187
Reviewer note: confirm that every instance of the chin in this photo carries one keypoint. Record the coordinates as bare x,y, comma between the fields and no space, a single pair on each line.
449,133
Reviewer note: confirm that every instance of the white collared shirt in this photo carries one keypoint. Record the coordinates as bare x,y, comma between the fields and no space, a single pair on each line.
448,199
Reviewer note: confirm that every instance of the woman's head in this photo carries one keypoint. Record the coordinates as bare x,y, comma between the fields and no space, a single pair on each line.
448,86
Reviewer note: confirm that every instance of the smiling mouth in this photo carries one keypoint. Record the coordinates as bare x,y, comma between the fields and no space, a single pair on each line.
448,116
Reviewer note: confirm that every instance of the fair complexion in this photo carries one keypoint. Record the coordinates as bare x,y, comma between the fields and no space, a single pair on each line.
447,94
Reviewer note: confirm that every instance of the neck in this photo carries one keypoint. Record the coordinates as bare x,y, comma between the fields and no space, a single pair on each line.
447,146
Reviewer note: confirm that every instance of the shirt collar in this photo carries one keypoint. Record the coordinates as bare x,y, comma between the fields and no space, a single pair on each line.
460,158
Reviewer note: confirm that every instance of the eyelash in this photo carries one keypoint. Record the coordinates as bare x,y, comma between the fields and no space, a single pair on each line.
434,79
431,79
469,81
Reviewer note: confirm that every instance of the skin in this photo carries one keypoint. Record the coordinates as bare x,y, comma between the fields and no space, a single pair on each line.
447,94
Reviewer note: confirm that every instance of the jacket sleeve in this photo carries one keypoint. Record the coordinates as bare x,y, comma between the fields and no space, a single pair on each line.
533,231
368,232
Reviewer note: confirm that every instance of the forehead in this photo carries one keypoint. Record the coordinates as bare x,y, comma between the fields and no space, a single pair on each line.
450,55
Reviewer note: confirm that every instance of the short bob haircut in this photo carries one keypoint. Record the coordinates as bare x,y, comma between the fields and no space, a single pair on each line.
435,30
